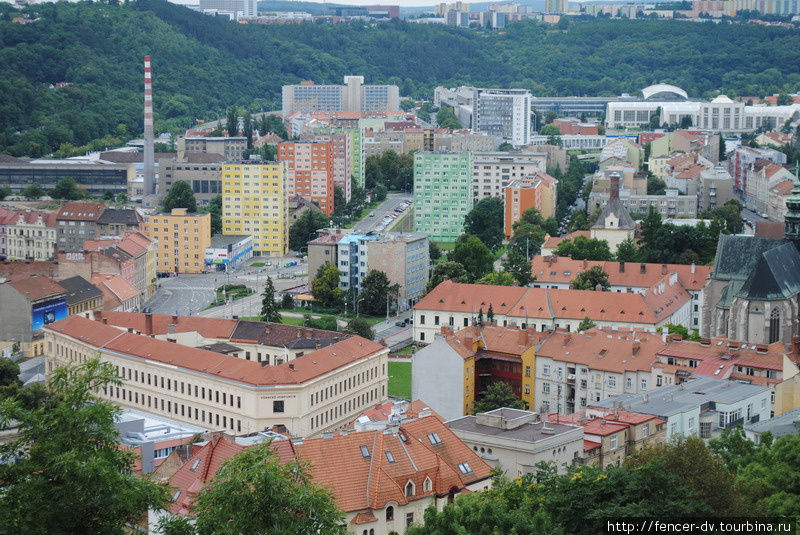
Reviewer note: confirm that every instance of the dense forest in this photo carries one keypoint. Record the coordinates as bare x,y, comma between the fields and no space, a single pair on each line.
204,64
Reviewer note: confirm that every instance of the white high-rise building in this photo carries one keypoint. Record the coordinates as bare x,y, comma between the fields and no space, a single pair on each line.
503,112
352,96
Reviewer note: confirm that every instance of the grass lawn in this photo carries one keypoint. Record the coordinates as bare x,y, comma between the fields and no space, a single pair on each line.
292,321
408,350
446,245
257,264
400,379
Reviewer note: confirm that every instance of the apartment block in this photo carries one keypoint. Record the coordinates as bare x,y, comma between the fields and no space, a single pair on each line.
231,147
405,259
77,222
310,171
503,112
26,306
442,193
182,240
492,172
310,381
255,201
342,152
352,96
536,191
357,155
27,235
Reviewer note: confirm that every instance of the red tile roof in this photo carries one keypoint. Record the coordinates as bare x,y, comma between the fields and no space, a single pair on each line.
604,350
36,288
297,371
783,188
206,327
80,211
562,269
116,290
474,339
552,241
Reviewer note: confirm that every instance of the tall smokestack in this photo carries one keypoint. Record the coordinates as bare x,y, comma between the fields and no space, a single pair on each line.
149,157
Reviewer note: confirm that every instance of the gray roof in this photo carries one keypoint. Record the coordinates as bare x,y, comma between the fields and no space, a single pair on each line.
776,276
530,432
79,290
667,401
30,369
738,255
615,207
119,216
220,241
787,423
221,347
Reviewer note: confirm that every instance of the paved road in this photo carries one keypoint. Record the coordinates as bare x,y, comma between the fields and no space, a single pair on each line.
752,217
190,294
369,223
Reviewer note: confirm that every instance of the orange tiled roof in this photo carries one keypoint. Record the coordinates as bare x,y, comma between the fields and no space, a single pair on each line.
206,327
297,371
552,241
562,269
604,350
80,211
783,188
36,287
116,290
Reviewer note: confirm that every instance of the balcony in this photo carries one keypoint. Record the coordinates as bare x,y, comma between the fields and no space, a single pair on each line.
571,378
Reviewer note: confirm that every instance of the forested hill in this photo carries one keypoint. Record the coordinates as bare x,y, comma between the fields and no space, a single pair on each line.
204,64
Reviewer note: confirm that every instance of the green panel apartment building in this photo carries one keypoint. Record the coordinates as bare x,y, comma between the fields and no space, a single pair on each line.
442,193
358,159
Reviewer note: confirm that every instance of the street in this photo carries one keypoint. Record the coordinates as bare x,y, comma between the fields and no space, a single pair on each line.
371,222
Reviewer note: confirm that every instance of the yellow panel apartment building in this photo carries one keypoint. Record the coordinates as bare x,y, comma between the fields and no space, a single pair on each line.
182,240
255,202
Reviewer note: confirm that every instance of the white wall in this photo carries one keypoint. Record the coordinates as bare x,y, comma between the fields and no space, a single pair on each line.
437,378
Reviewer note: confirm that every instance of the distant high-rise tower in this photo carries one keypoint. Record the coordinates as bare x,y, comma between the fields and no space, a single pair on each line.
149,158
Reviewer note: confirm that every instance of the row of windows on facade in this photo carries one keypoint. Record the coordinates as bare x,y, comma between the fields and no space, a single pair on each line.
344,385
346,407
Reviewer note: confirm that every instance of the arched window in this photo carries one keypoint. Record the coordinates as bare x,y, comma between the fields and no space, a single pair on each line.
365,532
372,532
427,485
774,325
409,489
389,513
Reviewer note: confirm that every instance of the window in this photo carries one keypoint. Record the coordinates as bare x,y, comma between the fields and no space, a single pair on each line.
410,489
465,468
422,319
527,371
774,325
277,406
435,439
195,464
389,457
409,519
389,513
427,485
364,452
614,442
628,382
612,382
645,430
691,423
644,384
545,388
546,369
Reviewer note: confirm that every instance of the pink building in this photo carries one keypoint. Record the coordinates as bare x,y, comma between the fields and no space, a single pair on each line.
310,171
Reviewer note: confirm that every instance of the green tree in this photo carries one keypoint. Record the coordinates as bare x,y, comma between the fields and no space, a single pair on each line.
498,394
471,253
549,130
287,301
215,209
723,154
433,251
180,195
247,123
232,123
518,266
34,192
485,221
730,213
407,104
5,191
498,278
69,474
528,234
681,330
269,308
272,124
734,448
374,291
361,327
446,118
255,492
627,251
9,372
586,324
583,248
325,287
446,270
379,193
68,190
505,146
655,186
305,229
490,314
784,100
686,122
591,279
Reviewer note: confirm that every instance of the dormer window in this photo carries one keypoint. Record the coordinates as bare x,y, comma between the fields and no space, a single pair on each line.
410,489
427,485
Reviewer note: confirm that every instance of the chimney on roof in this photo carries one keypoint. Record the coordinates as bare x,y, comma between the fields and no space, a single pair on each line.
663,269
622,267
264,363
171,328
174,319
693,268
643,268
635,348
291,366
148,323
664,335
613,194
105,321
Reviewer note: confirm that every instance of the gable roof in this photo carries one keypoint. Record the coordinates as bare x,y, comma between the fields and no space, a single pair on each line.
79,290
36,287
616,208
116,290
552,241
603,350
737,255
120,217
80,211
776,276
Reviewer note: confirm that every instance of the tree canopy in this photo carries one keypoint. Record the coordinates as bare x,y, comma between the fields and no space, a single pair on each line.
58,483
583,248
485,221
498,394
180,195
471,253
446,270
325,286
305,229
269,308
591,279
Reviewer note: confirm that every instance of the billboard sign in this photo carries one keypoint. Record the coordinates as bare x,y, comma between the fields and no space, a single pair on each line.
48,312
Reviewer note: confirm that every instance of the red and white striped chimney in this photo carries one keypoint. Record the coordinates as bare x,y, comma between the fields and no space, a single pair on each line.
149,156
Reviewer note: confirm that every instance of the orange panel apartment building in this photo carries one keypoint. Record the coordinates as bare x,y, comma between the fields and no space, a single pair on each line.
535,191
311,171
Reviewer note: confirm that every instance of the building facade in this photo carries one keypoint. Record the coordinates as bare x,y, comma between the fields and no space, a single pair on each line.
231,147
95,178
503,112
255,201
27,235
310,171
405,259
182,240
352,96
203,172
537,191
493,171
77,222
442,193
228,252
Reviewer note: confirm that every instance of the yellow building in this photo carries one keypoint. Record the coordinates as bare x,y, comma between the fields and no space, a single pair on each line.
182,240
255,202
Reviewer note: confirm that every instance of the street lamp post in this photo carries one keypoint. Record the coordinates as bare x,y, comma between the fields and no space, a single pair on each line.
357,302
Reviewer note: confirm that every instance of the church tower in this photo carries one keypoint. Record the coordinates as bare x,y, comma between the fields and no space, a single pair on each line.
792,220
